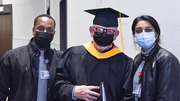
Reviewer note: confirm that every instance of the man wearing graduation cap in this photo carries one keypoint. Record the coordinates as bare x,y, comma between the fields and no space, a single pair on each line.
82,69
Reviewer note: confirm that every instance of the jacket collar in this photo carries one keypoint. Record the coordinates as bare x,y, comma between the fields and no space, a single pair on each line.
34,49
141,57
152,52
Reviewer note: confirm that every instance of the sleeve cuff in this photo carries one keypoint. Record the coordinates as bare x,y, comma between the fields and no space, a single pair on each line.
74,98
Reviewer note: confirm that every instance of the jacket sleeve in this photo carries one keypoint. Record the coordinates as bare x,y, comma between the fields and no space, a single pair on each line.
4,76
128,85
168,79
63,87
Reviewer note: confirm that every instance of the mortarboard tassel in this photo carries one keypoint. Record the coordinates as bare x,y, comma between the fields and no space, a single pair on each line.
121,32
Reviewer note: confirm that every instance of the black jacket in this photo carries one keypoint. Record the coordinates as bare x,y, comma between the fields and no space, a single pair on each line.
160,76
17,72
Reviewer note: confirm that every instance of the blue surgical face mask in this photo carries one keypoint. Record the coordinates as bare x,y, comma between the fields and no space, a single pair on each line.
145,39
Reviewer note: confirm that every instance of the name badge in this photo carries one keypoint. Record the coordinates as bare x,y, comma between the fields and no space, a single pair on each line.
44,74
137,89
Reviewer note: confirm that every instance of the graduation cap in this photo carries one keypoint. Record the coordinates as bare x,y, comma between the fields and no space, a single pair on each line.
108,17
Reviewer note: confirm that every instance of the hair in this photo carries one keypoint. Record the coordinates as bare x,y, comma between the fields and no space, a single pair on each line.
151,20
43,15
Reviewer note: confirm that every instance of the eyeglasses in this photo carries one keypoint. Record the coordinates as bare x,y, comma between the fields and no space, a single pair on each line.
146,29
101,30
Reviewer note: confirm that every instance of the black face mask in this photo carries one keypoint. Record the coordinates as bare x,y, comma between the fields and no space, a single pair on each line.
103,39
43,39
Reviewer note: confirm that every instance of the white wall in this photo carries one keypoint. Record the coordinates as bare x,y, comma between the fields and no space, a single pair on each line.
24,13
54,9
166,12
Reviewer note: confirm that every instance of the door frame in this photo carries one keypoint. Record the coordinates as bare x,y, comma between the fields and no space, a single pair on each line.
7,9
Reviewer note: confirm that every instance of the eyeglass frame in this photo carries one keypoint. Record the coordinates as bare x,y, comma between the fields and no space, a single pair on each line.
114,31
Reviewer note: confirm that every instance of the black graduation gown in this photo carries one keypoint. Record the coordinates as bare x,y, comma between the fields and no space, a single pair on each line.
78,67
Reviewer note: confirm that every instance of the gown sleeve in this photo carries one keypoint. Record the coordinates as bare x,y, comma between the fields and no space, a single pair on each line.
128,85
63,87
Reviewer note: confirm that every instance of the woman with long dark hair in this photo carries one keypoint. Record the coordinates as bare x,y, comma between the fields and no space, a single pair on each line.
156,70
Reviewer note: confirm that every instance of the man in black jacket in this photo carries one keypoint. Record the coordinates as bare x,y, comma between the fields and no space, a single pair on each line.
27,73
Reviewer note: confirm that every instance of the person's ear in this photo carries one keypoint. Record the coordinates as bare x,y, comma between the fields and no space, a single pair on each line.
33,31
116,34
54,32
156,35
91,30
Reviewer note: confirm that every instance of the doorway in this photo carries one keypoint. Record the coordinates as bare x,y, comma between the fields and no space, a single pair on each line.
6,28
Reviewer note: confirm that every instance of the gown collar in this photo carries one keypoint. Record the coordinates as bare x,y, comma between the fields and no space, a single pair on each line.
92,50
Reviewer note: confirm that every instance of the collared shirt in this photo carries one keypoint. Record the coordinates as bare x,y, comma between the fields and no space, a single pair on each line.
147,53
36,64
36,59
139,69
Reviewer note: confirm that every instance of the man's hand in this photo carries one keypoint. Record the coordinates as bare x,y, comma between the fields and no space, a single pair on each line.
85,92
